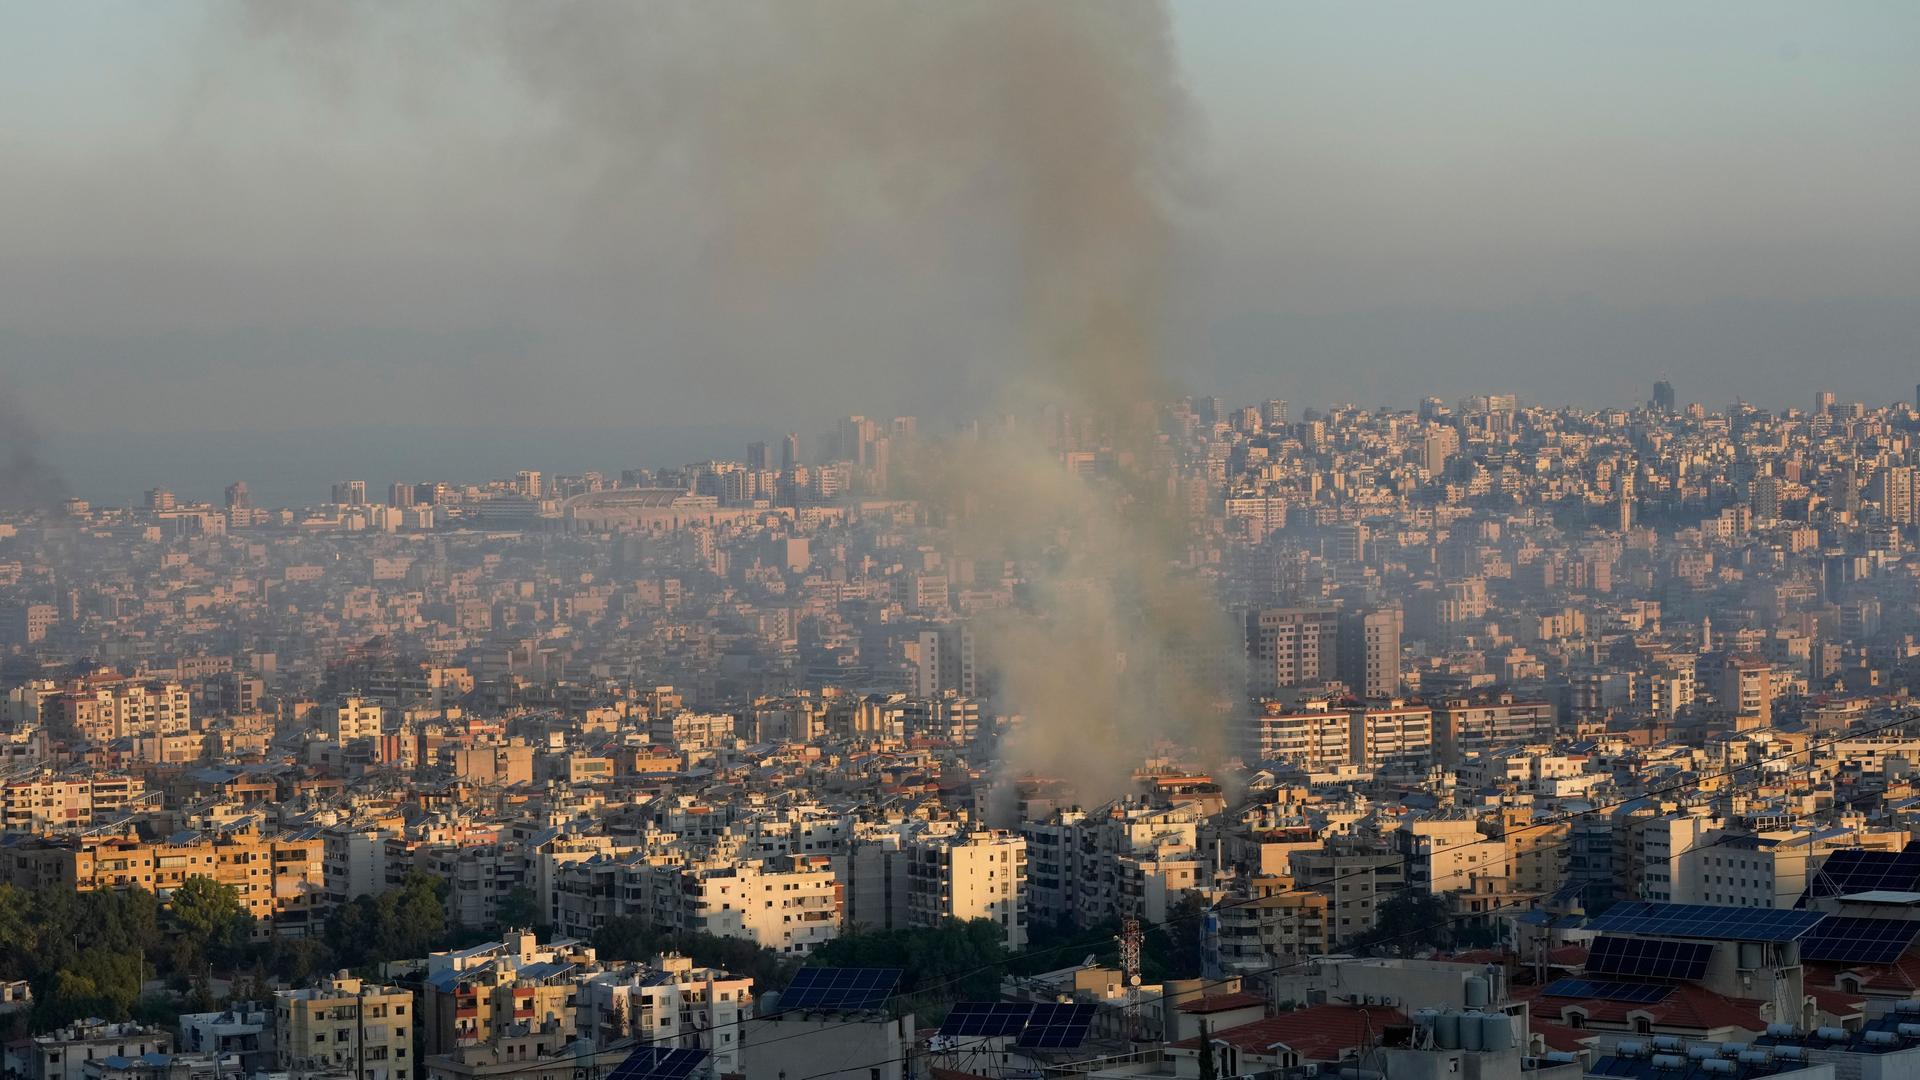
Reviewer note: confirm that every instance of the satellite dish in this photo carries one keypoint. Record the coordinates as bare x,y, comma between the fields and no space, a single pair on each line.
1092,960
1134,981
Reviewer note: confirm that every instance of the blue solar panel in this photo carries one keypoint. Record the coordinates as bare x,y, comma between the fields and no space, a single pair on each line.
1849,940
658,1063
1604,990
987,1019
840,988
1649,958
1057,1027
1852,870
1710,921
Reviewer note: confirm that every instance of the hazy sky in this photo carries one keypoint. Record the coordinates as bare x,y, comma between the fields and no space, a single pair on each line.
207,228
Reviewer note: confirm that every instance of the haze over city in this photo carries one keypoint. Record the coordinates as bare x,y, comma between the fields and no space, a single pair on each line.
978,540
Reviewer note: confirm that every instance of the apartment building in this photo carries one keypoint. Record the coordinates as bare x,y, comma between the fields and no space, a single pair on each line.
1313,738
54,803
978,875
346,1026
1464,726
790,904
273,876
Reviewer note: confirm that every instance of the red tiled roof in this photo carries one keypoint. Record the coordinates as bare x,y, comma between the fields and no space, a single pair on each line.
1214,1003
1836,1002
1903,974
1316,1033
1692,1007
1474,956
1559,1036
1567,956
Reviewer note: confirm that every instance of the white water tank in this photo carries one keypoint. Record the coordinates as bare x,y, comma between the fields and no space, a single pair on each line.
1446,1031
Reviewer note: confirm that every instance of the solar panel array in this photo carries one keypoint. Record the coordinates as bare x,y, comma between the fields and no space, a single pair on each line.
1056,1027
1607,990
658,1063
987,1019
1649,958
1038,1027
1849,940
1852,870
1711,921
840,988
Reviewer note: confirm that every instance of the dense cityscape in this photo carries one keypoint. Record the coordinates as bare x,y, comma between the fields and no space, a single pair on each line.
1547,735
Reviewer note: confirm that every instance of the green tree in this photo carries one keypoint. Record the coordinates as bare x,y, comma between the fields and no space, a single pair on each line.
954,960
99,982
211,924
412,918
521,908
1207,1068
1408,920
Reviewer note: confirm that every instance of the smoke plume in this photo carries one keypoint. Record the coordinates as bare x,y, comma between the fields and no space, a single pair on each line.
27,480
1051,135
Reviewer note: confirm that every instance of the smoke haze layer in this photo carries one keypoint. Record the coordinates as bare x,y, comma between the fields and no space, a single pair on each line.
1038,143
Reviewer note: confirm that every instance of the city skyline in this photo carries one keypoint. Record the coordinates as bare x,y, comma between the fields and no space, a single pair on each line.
1569,204
189,464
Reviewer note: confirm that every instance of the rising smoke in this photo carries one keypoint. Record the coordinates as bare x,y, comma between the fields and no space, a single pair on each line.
1060,128
27,480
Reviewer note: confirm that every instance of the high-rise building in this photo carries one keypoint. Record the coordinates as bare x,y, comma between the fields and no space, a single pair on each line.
159,499
1440,444
402,495
237,498
1368,652
1662,397
982,875
1274,413
1766,498
757,456
529,484
789,451
1290,647
350,493
945,662
1823,402
1893,490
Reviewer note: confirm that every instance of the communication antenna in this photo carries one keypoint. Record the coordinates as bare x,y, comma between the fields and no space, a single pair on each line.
1130,939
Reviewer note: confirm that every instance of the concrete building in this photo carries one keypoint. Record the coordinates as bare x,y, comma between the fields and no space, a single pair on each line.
347,1025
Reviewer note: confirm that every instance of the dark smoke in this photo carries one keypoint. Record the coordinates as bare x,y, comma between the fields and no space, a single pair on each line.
27,481
1060,126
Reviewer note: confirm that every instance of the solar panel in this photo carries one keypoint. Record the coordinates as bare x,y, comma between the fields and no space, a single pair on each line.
1852,870
1712,921
1606,990
1057,1027
987,1019
840,988
1649,958
658,1063
1849,940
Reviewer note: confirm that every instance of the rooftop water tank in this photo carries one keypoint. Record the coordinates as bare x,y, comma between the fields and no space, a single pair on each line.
1497,1031
1476,991
1472,1035
1446,1031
